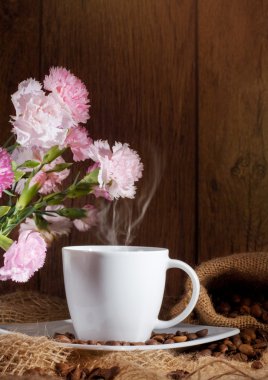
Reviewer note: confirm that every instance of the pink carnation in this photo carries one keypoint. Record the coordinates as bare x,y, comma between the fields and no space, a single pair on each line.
79,142
71,90
6,173
120,168
99,192
24,257
21,154
58,225
41,120
49,181
39,179
89,220
53,179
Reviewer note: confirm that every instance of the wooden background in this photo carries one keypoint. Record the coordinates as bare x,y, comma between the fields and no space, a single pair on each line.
185,83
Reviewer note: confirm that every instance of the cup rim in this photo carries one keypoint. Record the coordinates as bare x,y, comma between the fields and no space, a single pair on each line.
125,249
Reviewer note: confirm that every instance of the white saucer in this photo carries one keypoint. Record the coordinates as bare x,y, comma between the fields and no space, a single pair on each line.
49,328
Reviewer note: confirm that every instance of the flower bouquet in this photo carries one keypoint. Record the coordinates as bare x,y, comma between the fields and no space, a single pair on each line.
47,123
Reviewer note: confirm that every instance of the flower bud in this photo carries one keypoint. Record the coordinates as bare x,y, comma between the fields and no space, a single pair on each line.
30,190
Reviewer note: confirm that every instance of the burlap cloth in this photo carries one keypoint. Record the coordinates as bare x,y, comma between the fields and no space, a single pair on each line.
249,269
19,352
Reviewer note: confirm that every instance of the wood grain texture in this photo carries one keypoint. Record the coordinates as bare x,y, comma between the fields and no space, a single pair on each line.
138,60
233,119
19,60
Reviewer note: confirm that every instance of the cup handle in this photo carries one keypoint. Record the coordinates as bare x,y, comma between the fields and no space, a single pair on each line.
195,294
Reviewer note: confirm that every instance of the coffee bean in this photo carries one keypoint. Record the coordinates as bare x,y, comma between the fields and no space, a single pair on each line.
62,338
151,342
256,310
256,364
64,369
191,336
159,338
246,349
245,338
246,301
250,332
103,374
179,339
244,309
213,346
169,341
202,333
260,345
139,343
93,342
236,298
79,341
223,348
76,374
112,343
69,335
265,316
229,344
224,307
237,340
179,333
257,354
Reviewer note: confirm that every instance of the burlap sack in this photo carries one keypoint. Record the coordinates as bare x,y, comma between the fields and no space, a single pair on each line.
242,270
20,353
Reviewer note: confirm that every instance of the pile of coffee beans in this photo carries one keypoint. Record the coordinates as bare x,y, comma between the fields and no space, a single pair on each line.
156,338
232,305
76,372
248,346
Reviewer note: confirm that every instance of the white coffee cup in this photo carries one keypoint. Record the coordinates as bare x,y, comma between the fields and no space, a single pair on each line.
115,292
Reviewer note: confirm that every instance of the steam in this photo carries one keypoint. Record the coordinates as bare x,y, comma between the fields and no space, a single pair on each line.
120,219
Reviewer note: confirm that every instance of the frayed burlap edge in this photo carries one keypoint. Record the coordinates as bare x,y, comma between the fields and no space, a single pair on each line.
157,364
20,352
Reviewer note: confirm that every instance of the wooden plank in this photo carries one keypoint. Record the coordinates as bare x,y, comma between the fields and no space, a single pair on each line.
138,60
233,134
19,60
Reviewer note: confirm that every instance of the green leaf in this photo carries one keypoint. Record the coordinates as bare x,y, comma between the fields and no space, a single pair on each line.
13,165
41,223
27,195
4,210
18,175
54,199
52,154
9,193
91,177
11,148
59,167
30,164
72,213
79,190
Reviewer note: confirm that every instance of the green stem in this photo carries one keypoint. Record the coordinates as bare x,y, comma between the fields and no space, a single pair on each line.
5,242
